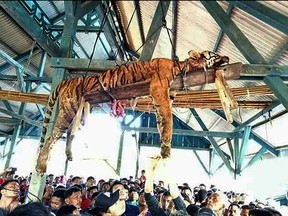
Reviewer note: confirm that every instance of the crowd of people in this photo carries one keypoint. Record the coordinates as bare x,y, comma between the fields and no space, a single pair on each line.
143,195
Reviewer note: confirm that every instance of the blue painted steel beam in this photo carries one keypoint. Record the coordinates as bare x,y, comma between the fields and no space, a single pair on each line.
58,18
17,129
255,137
8,47
221,33
255,158
279,89
139,20
233,32
86,7
264,13
26,78
278,54
108,32
218,168
42,64
16,10
175,6
236,155
182,125
212,140
54,7
201,163
182,132
258,115
154,31
15,64
20,58
243,148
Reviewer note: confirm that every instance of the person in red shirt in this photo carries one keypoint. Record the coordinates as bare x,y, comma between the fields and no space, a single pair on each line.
142,177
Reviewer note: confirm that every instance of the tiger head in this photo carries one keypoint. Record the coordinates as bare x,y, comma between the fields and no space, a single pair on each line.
208,58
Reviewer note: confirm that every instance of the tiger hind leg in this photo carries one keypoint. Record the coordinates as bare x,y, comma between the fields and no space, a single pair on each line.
44,152
162,104
75,127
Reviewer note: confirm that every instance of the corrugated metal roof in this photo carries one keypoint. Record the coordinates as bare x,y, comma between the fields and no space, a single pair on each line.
50,11
279,6
20,42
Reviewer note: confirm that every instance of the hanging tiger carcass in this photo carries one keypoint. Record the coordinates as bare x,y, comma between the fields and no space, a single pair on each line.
160,71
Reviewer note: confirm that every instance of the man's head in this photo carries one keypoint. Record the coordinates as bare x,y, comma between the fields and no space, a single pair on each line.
30,209
108,203
90,181
133,194
10,189
165,200
123,192
105,186
76,180
245,210
57,199
233,209
216,201
50,178
73,196
91,191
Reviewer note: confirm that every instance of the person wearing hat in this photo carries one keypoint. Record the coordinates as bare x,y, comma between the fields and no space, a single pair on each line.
107,203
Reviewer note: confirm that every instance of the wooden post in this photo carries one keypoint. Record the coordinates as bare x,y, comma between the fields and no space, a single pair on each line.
38,181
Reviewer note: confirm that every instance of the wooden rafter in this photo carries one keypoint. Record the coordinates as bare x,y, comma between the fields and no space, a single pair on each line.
185,99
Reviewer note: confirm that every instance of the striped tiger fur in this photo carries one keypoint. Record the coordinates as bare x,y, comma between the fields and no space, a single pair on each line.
160,71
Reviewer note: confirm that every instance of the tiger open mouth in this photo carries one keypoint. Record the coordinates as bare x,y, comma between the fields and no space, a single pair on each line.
223,60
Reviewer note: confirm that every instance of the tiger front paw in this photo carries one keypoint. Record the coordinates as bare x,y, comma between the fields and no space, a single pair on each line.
165,150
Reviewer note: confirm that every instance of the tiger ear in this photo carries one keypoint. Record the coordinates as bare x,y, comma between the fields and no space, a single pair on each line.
194,54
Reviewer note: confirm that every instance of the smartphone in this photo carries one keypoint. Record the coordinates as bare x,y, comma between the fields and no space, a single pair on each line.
14,169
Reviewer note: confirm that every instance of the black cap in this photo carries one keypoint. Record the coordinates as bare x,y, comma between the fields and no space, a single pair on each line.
103,201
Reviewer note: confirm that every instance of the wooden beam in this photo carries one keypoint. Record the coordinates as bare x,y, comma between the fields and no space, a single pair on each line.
142,88
185,99
24,97
154,31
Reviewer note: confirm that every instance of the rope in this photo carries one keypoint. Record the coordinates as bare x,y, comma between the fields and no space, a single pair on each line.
97,37
176,58
126,30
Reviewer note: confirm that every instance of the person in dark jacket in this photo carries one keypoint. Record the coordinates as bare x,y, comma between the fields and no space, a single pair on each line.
151,200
